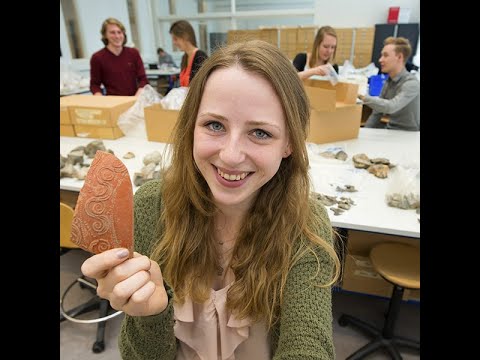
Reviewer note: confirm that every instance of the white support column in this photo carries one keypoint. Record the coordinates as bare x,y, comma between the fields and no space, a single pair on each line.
64,42
158,36
146,30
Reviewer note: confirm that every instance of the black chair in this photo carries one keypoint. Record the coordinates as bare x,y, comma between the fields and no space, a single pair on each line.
399,264
410,66
95,303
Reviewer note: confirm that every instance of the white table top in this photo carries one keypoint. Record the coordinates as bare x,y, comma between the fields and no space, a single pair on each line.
160,72
371,213
84,90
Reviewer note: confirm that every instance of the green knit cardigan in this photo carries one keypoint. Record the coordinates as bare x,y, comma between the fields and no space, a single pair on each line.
304,331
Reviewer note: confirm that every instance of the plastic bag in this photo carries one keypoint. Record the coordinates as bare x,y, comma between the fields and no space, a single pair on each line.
175,98
404,188
332,74
132,121
71,80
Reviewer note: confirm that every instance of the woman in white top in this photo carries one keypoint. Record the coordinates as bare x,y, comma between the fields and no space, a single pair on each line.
323,52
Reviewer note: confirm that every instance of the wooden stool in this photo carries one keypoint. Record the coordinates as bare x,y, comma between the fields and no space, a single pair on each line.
399,264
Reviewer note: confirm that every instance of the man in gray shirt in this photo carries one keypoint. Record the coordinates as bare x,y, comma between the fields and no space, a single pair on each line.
165,58
398,106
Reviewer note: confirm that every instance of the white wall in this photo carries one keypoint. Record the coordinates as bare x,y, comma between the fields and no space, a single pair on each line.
364,13
338,13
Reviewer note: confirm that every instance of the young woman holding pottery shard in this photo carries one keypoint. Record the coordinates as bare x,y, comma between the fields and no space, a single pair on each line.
234,255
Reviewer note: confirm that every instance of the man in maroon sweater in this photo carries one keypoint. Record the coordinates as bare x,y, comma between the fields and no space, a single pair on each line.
119,68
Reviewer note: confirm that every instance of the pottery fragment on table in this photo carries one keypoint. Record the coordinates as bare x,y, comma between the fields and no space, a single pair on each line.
92,148
344,203
361,161
153,157
129,155
376,166
103,217
76,163
379,170
346,188
339,155
150,171
404,201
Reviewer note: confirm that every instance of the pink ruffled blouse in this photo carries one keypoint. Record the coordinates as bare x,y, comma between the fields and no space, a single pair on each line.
209,332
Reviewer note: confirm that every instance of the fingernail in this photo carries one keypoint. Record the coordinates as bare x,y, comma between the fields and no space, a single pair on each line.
123,253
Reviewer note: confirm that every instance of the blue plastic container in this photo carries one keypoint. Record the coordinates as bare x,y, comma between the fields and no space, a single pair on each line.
376,84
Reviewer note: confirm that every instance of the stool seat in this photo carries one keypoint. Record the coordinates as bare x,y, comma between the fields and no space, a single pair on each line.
397,263
400,265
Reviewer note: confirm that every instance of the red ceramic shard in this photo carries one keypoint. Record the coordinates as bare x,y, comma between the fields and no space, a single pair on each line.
103,217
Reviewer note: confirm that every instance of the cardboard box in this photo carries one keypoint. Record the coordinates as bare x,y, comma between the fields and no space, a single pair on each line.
361,242
360,276
102,111
67,130
334,113
410,294
65,101
64,116
159,122
98,132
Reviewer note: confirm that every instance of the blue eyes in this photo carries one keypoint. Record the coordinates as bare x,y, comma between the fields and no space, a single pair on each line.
261,134
258,133
215,126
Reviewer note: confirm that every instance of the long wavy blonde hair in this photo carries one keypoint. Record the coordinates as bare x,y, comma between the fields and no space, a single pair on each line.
321,33
278,229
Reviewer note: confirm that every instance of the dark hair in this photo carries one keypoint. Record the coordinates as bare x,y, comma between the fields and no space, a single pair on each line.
112,21
159,50
184,30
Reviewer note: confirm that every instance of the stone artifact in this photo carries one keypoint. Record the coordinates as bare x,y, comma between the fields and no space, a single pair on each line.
75,157
327,154
379,170
150,171
340,155
63,161
326,200
153,157
404,201
346,188
337,211
377,166
383,161
129,155
92,148
67,170
361,161
77,162
343,204
103,217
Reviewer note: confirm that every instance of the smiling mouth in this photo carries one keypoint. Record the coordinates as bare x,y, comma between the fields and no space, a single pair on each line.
232,177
